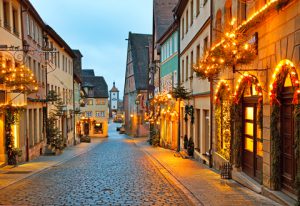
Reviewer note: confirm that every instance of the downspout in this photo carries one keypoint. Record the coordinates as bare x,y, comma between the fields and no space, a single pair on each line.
73,115
26,130
211,94
178,80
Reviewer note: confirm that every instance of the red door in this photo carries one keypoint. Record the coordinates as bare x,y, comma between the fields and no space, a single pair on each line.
288,163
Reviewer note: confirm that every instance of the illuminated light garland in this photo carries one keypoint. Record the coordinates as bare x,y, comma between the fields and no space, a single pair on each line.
205,71
222,87
282,69
18,78
244,80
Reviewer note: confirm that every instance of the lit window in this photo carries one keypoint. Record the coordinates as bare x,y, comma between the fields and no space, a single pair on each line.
249,113
90,102
249,129
288,81
249,144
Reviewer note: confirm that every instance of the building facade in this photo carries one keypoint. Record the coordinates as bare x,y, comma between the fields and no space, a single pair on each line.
255,103
195,34
11,36
60,79
136,87
168,80
95,113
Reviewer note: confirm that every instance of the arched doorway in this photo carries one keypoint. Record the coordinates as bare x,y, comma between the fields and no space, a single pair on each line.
223,119
283,98
249,97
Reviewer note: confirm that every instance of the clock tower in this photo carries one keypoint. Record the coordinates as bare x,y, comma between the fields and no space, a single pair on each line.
113,100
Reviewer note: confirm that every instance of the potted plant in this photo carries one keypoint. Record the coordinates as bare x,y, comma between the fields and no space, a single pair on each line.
185,142
16,152
190,147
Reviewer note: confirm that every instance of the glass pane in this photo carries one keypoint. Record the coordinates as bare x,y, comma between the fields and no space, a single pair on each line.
259,148
249,113
247,92
254,92
288,81
249,129
249,144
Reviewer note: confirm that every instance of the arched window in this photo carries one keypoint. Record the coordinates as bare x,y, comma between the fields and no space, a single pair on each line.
228,14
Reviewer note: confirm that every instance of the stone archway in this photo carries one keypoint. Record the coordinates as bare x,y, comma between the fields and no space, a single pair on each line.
248,145
284,93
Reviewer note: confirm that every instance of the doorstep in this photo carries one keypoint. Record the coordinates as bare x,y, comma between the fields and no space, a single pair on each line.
280,197
246,181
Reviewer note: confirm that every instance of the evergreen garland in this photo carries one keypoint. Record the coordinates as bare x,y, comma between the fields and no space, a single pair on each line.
11,118
297,149
275,147
238,129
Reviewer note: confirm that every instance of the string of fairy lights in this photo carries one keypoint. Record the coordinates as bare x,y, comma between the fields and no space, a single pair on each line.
17,77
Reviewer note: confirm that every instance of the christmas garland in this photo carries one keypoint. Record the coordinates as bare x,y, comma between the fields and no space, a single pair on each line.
297,149
238,135
283,69
275,147
11,118
223,120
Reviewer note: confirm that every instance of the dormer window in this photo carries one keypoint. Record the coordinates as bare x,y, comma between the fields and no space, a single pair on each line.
91,92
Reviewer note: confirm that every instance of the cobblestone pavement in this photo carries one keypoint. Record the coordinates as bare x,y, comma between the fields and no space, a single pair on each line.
115,172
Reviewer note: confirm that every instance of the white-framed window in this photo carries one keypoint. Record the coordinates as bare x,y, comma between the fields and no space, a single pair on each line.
100,114
88,114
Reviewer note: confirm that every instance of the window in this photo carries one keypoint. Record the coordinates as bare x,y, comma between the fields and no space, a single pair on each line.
6,15
197,7
100,102
39,72
218,25
192,62
182,71
205,45
28,24
198,53
182,28
90,102
192,12
187,21
100,114
89,114
187,68
15,22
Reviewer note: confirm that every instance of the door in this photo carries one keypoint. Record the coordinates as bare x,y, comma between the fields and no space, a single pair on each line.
252,144
288,163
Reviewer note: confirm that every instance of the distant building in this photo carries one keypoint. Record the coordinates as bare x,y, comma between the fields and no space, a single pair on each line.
136,84
78,93
95,114
113,101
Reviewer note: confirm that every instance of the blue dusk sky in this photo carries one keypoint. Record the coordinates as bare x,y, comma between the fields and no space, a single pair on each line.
98,28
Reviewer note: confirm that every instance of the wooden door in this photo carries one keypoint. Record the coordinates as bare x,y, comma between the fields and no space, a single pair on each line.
288,163
252,145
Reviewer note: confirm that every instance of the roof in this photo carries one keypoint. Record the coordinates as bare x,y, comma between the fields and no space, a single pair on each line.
87,72
98,83
180,7
77,63
162,16
114,88
138,43
59,40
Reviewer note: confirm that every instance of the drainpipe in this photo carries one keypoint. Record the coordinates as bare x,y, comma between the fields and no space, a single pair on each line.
178,80
211,94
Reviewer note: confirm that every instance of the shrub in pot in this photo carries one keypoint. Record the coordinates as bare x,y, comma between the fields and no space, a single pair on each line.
190,147
185,142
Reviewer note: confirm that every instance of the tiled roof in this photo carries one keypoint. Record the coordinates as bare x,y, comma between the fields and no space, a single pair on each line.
163,15
87,72
98,83
138,43
114,88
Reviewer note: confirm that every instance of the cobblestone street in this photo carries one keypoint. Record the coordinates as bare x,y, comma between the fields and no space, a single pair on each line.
115,172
